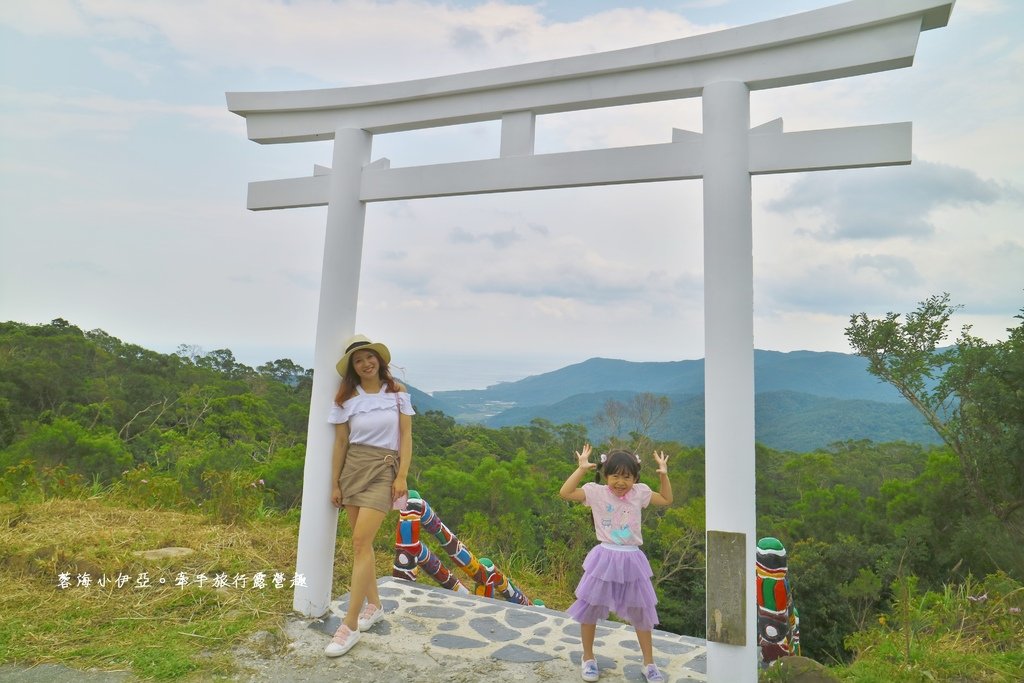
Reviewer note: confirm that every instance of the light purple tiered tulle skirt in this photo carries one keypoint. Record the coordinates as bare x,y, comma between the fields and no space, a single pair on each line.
617,581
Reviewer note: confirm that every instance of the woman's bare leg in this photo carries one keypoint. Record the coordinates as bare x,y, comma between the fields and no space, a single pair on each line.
365,522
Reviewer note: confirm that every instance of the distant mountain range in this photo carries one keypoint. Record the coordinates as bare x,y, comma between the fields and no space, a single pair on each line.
804,400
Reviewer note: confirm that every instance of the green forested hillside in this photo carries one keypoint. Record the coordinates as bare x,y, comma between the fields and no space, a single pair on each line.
828,374
785,420
794,421
85,414
805,400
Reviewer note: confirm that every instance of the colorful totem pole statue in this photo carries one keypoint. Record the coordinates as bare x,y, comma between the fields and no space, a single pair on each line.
411,554
778,625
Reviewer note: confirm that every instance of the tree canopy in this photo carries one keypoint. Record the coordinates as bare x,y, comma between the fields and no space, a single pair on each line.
971,393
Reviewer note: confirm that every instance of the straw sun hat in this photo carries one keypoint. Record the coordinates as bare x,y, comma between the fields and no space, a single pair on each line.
359,343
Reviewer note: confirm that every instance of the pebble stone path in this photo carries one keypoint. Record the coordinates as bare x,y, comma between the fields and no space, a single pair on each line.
518,633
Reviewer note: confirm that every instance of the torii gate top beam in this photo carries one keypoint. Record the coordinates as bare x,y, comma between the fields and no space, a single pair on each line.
858,37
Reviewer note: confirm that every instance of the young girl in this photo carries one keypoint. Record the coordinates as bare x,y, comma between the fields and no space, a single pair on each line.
616,573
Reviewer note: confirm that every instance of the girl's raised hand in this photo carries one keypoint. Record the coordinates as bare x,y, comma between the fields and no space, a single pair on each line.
661,458
583,459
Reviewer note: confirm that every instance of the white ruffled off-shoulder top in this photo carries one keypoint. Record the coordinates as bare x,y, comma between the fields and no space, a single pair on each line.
372,418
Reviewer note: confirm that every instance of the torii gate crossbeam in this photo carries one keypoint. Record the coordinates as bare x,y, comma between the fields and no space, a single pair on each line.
858,37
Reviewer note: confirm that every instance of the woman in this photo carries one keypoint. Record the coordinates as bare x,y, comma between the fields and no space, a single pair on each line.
372,414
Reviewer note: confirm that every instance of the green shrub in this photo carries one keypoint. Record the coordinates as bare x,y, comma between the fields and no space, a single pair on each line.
20,483
143,487
971,631
283,476
232,496
88,452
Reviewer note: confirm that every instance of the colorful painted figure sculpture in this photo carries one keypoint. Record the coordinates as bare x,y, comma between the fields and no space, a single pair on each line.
778,625
411,554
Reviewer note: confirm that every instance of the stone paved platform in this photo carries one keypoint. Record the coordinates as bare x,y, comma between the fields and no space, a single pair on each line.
478,627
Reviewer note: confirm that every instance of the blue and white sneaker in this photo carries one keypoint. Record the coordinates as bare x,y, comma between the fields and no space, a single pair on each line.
652,674
589,670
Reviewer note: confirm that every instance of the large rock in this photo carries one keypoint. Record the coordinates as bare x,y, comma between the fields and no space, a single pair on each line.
168,553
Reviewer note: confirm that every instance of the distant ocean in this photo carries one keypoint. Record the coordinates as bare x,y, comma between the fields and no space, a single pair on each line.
446,372
429,372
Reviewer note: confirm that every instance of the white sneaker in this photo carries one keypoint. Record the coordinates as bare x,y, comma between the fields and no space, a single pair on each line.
343,640
589,670
370,615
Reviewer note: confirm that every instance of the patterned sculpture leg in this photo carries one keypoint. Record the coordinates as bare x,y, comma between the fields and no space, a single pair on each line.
431,564
794,630
777,622
409,551
489,579
496,581
407,542
411,554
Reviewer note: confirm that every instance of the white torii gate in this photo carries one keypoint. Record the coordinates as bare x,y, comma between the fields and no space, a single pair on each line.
854,38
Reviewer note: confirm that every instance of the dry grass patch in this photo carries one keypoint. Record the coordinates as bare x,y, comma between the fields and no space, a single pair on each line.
163,621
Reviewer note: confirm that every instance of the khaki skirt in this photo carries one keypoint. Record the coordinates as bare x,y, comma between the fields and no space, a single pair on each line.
367,476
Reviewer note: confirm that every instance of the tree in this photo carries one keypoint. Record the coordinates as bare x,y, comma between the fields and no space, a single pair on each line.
223,361
647,411
643,413
971,393
283,370
92,453
611,416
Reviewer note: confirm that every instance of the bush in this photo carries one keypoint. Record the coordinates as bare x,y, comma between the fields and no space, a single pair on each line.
971,631
143,487
283,476
96,452
232,496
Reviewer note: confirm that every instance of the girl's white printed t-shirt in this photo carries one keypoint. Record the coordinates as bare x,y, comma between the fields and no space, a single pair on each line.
371,418
617,520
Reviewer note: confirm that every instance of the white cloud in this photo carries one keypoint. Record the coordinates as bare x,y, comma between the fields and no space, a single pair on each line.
887,202
54,17
499,239
66,113
353,41
122,61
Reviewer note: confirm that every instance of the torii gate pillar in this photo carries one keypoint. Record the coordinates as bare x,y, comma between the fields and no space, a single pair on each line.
729,370
336,319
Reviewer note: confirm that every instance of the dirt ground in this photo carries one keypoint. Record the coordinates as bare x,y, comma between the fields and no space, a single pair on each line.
296,655
401,655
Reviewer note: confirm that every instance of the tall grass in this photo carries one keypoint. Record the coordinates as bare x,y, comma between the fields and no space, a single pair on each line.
972,631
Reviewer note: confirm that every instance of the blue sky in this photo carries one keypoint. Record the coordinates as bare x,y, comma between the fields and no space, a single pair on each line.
123,182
